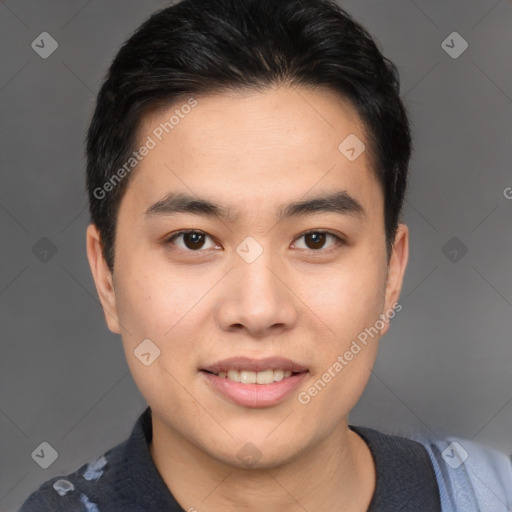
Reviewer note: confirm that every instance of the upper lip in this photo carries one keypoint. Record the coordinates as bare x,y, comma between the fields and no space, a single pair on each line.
255,365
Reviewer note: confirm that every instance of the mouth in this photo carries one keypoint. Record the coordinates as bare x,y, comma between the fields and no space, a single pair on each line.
255,371
255,382
250,377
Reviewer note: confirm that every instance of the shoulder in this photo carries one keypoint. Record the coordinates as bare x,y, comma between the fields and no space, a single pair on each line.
395,452
86,489
470,476
405,477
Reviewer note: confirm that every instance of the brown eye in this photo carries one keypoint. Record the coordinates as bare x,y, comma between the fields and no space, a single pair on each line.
315,240
192,240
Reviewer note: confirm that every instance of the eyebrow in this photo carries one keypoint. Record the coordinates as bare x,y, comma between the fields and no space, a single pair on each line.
340,202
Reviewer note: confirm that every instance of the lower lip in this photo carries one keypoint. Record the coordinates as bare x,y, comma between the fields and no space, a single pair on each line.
255,395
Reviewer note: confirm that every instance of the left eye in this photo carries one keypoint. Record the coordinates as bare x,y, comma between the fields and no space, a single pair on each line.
316,239
195,240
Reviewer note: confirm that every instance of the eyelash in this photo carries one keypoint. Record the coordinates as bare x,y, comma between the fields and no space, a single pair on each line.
339,241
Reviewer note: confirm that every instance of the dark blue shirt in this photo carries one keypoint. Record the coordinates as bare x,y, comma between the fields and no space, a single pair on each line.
125,478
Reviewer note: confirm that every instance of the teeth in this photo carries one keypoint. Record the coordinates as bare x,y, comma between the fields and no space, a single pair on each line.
248,377
232,375
278,375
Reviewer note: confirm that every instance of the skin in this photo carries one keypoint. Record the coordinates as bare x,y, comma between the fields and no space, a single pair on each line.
253,152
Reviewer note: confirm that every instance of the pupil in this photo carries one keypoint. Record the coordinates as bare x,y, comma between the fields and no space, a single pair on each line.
319,239
194,238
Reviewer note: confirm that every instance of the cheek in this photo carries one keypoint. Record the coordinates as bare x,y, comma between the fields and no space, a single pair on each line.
138,305
162,306
347,308
155,301
349,297
152,306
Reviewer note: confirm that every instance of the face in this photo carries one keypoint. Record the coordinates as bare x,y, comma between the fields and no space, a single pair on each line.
257,277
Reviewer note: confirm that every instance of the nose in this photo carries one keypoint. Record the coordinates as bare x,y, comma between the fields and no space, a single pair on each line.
257,298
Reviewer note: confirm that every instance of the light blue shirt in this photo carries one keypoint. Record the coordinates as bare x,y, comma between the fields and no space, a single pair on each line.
471,477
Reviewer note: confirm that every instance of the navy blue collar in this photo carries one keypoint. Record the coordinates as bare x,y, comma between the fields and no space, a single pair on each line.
406,480
405,476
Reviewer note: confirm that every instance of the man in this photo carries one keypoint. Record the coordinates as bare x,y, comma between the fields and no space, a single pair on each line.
247,164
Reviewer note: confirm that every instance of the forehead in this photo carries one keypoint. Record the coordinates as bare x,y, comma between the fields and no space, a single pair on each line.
254,147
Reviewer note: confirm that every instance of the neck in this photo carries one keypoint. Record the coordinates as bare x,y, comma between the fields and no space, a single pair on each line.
336,474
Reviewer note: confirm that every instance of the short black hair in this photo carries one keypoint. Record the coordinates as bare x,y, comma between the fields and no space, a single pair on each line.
197,47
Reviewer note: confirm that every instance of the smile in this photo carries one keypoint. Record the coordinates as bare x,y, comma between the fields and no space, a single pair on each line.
254,389
250,377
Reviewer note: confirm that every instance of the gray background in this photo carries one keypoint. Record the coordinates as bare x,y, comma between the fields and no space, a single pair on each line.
445,366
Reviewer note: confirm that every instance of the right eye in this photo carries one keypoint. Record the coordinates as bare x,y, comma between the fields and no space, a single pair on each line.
193,240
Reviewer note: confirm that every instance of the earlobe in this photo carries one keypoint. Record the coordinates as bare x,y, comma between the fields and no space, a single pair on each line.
102,278
396,269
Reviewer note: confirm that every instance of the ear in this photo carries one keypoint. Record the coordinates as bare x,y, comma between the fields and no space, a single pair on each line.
102,278
396,270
